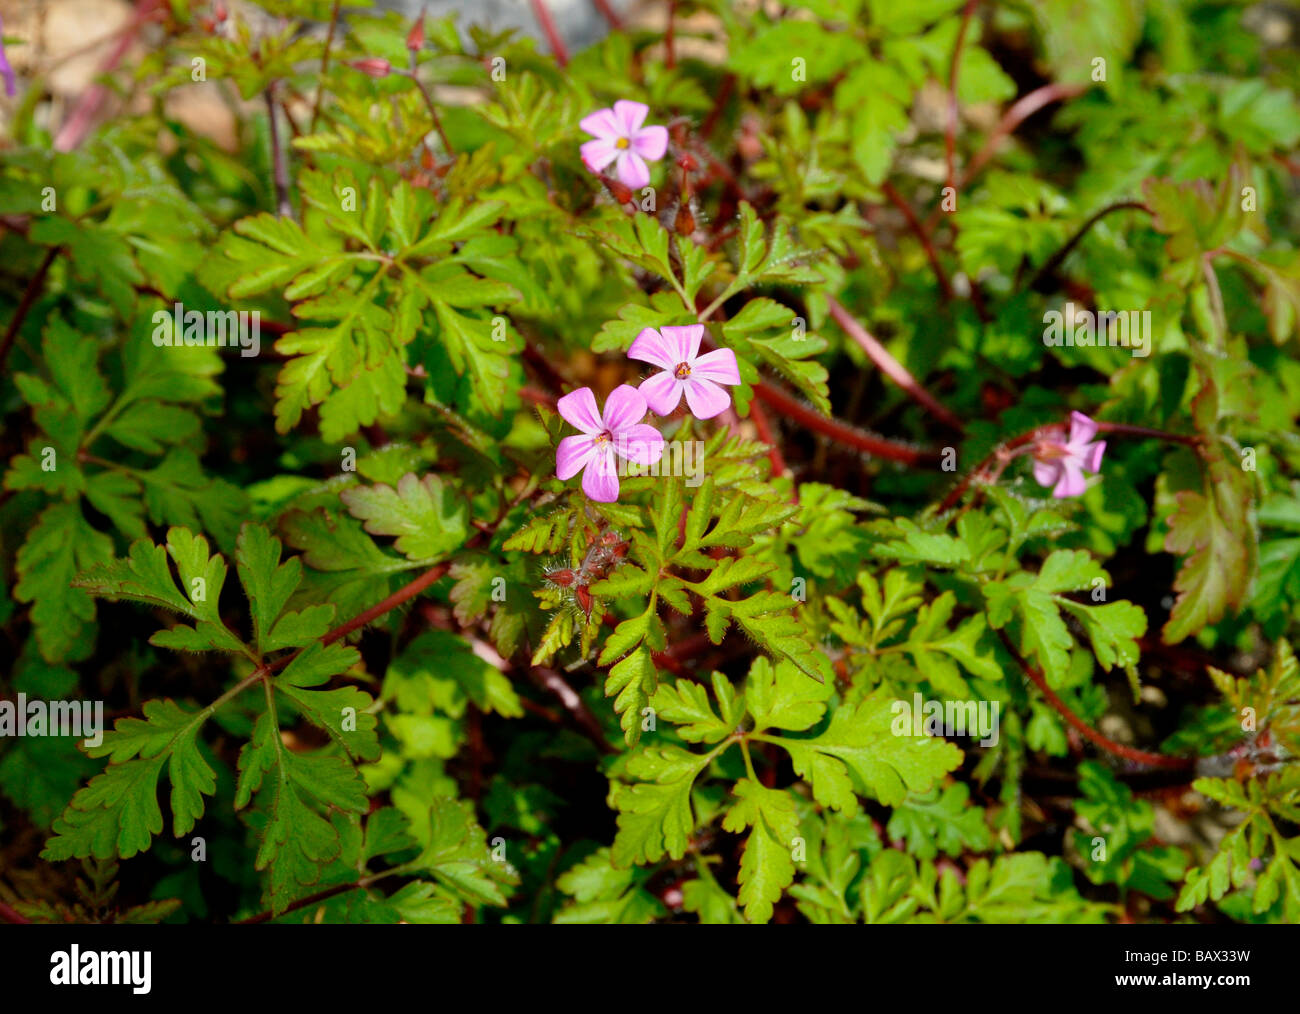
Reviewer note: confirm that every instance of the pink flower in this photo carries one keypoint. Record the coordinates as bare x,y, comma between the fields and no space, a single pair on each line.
677,349
620,136
618,432
1061,462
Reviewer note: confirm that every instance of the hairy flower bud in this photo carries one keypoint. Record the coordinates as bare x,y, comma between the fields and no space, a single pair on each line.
375,66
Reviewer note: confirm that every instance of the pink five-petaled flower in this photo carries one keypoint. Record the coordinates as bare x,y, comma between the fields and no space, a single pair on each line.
619,431
1060,461
677,349
620,138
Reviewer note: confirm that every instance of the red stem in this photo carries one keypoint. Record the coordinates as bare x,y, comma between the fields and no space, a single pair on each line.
78,125
1020,111
25,304
840,432
766,435
547,24
607,12
1158,760
890,366
670,55
919,231
950,134
10,915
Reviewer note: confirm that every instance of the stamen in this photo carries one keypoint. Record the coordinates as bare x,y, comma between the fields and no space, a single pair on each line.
683,371
622,143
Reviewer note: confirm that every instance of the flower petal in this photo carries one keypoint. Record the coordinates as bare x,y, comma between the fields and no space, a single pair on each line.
602,123
1047,473
1072,482
632,170
600,480
572,454
706,398
629,116
624,408
1082,429
578,409
650,347
662,392
598,153
1092,455
651,143
684,341
718,366
641,443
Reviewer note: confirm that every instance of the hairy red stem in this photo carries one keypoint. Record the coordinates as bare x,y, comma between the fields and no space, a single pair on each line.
890,366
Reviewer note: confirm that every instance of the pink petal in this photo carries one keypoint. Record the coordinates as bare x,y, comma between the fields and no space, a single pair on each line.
1072,482
632,170
1046,473
600,480
624,408
598,153
684,342
662,392
1092,456
706,398
572,454
1082,429
651,143
578,409
650,347
603,124
718,366
642,444
629,116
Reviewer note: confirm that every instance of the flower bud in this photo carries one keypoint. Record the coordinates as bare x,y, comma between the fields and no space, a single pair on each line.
415,38
375,66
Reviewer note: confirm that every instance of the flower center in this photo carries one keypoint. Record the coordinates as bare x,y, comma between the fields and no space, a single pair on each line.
622,142
1050,451
683,371
604,438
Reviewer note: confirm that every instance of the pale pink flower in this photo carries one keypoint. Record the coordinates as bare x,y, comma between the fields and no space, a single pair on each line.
619,431
677,349
620,138
1060,461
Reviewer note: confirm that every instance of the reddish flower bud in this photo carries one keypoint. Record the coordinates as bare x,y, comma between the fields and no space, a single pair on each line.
375,66
415,37
617,190
688,162
584,598
564,578
685,223
221,11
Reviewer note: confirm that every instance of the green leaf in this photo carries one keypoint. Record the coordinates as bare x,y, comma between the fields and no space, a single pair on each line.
767,864
862,740
428,519
654,816
634,681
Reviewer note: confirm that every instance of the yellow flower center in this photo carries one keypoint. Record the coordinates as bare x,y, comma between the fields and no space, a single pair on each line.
683,371
604,438
622,142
